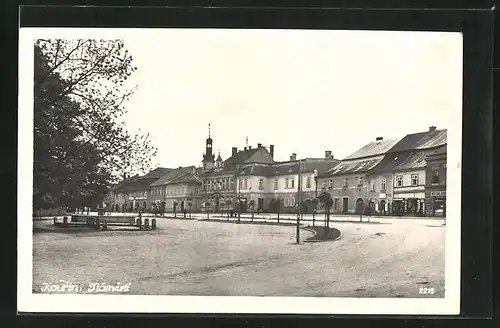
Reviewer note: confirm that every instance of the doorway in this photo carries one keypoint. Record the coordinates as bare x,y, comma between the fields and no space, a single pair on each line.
260,205
359,205
382,207
345,204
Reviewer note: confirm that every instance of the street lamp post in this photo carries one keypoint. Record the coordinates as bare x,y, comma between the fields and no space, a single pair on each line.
239,207
299,201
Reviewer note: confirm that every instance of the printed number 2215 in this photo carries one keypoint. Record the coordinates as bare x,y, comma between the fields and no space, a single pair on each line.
426,291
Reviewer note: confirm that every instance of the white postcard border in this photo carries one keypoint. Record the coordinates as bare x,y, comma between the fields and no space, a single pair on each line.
29,302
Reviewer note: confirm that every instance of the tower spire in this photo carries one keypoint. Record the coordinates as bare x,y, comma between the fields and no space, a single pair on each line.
209,130
247,141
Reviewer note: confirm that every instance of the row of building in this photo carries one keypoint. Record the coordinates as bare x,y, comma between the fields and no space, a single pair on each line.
402,176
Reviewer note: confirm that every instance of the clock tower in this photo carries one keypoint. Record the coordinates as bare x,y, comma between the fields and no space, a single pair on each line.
208,157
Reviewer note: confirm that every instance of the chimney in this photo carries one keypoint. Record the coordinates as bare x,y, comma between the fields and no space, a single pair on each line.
432,128
271,150
293,157
379,138
234,151
328,154
259,145
245,148
249,147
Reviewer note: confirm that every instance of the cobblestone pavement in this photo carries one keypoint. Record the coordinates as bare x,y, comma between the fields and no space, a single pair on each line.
195,257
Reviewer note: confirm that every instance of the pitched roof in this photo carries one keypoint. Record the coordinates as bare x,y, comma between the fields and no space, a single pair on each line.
354,166
243,156
289,167
421,140
434,139
158,172
374,148
136,183
172,175
187,178
415,161
390,161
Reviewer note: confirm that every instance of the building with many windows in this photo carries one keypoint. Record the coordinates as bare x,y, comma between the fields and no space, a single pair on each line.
348,183
163,195
435,182
279,181
132,193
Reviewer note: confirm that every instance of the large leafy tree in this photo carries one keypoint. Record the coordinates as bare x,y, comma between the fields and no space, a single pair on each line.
80,144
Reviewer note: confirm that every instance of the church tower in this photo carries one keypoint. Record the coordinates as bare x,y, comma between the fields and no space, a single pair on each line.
208,157
218,161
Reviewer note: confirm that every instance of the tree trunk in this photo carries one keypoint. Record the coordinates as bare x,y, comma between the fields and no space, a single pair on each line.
252,214
313,217
325,221
328,221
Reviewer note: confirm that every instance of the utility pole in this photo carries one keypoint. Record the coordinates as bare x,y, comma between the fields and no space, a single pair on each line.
298,203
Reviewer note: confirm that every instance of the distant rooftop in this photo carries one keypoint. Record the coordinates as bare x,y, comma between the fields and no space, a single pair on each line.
374,148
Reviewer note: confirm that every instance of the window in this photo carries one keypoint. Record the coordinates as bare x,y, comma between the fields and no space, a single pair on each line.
196,191
336,204
414,179
308,182
286,202
293,183
382,187
286,183
399,181
345,182
324,184
245,184
241,184
372,185
292,202
435,175
275,184
331,184
360,181
261,184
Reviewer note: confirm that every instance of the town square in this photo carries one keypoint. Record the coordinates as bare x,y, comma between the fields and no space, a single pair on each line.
238,163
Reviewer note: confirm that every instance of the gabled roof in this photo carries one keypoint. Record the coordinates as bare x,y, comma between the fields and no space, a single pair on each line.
244,156
354,166
390,161
415,161
172,175
158,172
141,182
434,139
289,167
187,178
134,184
438,152
421,140
374,148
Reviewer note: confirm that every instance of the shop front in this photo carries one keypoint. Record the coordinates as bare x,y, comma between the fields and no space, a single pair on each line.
408,204
436,203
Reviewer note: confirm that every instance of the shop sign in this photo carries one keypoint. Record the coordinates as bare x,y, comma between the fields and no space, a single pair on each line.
409,195
438,193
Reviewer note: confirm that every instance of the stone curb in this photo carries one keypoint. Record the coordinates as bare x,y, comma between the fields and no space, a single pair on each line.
318,241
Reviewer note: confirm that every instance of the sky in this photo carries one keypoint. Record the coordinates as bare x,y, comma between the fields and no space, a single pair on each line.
304,91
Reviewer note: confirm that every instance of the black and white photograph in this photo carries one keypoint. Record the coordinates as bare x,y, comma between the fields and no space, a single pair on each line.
239,171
